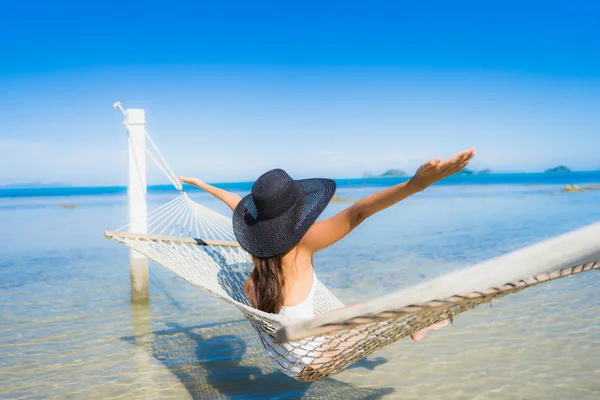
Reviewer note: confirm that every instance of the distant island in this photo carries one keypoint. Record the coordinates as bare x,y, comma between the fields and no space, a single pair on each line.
393,173
390,173
467,171
560,168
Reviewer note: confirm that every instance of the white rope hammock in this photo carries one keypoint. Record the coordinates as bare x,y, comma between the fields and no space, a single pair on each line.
198,244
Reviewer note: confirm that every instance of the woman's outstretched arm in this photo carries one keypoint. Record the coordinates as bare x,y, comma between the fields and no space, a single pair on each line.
231,199
327,232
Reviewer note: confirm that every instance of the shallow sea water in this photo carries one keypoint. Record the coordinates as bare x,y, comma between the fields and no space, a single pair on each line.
69,330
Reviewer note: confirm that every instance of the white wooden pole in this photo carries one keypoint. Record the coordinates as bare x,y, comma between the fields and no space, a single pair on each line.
135,122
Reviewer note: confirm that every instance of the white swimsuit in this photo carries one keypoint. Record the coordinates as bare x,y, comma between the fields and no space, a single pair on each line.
295,356
304,310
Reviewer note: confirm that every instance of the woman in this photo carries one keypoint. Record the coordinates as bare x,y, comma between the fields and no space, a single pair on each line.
275,223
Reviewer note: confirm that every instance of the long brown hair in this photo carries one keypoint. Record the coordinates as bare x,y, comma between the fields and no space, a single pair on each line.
264,287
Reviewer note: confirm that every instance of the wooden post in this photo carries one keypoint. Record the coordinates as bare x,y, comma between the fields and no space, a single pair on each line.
135,122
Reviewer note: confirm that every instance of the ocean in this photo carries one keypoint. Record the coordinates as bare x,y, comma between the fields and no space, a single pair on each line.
69,330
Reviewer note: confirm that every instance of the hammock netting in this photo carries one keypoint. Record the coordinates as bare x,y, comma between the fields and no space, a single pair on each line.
198,244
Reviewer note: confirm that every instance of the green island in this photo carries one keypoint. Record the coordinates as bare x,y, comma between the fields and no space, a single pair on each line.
393,173
560,168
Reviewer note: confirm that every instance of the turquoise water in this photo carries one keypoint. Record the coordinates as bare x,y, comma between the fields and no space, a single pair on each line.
69,331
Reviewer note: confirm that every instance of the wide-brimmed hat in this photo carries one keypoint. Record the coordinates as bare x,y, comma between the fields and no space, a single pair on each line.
279,211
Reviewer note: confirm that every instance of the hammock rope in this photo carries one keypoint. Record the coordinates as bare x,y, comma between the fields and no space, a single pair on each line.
163,165
198,244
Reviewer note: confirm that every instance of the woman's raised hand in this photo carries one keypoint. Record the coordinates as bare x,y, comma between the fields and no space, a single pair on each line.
191,181
436,170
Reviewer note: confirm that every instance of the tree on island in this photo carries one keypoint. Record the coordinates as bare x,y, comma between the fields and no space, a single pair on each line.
560,168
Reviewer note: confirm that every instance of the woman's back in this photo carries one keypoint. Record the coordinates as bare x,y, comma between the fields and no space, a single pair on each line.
299,276
300,284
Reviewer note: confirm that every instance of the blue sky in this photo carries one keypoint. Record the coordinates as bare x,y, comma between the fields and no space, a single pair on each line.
319,88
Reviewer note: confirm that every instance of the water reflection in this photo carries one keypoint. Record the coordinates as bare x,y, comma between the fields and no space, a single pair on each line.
227,361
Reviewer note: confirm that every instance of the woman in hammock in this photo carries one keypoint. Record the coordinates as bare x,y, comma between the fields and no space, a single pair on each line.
276,225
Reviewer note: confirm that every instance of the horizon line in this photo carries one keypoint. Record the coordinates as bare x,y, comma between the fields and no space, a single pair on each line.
58,185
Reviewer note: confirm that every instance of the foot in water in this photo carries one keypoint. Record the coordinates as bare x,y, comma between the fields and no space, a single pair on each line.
421,334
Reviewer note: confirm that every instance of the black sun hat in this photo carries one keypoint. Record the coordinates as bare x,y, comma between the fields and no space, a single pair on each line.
279,211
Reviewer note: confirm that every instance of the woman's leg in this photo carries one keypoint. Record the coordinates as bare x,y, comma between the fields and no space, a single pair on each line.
417,336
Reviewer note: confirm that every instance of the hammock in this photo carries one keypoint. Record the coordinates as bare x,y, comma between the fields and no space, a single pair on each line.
198,244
